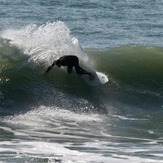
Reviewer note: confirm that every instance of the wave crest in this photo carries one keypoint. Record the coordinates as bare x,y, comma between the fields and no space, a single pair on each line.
45,43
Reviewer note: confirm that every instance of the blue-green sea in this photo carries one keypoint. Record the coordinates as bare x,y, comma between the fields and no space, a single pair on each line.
58,117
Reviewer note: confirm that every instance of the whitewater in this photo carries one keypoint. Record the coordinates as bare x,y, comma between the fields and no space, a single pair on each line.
58,118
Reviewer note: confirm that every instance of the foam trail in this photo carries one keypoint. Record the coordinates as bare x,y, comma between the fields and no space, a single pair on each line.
45,43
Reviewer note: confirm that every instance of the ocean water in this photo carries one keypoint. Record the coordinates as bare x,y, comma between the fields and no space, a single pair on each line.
58,118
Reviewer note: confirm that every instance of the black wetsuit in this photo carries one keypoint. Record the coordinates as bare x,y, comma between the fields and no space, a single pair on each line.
72,61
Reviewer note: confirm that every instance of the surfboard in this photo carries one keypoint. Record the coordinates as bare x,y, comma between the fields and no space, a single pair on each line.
98,78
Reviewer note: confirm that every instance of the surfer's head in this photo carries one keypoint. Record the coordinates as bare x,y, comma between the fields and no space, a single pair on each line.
58,63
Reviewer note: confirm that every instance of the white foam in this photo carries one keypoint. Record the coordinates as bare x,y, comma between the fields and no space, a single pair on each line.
54,151
51,151
45,43
57,134
54,113
55,122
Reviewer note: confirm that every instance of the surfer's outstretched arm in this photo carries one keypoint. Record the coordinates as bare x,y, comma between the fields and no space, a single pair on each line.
50,67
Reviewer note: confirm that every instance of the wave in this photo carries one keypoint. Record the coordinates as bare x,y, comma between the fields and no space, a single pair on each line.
131,64
135,72
45,43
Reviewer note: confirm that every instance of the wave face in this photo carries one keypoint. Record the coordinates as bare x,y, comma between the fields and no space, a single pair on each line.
135,72
132,64
58,117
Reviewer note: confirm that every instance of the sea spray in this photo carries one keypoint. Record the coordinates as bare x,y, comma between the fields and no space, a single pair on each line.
46,43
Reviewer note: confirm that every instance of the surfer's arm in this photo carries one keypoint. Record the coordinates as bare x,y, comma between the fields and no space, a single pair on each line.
50,67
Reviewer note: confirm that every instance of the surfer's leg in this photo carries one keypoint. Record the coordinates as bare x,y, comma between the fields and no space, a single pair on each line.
78,69
69,69
81,71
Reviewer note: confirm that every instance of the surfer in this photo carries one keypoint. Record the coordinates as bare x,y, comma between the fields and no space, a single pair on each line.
70,61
